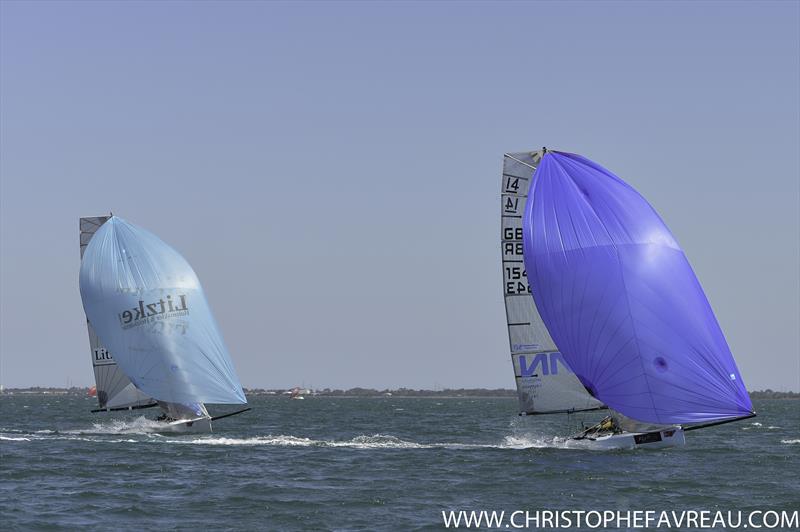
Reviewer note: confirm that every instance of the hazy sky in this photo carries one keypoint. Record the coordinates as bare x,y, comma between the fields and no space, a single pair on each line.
331,170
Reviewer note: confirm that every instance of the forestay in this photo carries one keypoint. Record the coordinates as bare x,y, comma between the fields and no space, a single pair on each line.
147,306
114,389
545,383
621,301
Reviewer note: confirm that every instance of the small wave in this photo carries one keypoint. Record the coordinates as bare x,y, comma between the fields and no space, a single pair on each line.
140,425
66,436
100,432
550,442
376,441
520,441
757,425
379,441
289,441
147,428
790,442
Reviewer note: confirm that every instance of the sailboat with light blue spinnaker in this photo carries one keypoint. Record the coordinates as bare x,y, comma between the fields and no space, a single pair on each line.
145,304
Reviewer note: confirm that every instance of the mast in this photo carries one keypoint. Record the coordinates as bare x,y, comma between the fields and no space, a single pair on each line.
545,382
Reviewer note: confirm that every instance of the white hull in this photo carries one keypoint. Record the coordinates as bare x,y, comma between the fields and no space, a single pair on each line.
634,440
199,425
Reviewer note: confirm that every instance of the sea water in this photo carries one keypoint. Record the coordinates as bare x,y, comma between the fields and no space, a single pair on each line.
388,463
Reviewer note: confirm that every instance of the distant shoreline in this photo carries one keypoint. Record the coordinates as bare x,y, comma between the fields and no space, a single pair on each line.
364,392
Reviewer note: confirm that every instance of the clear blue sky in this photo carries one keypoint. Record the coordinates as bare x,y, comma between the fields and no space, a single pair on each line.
331,169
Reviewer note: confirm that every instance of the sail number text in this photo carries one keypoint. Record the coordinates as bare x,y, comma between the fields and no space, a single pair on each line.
516,280
512,184
512,233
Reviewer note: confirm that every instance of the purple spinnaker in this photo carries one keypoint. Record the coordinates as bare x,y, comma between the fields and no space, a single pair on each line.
621,301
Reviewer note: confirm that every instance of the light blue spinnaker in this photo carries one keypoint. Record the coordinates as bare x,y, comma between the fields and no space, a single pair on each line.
148,308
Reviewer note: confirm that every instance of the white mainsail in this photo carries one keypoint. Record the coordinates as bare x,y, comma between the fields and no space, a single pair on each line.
545,384
114,388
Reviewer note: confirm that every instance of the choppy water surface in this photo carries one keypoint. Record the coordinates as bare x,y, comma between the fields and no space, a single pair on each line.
366,463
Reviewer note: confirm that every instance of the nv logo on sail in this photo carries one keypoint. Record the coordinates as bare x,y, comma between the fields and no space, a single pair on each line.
542,364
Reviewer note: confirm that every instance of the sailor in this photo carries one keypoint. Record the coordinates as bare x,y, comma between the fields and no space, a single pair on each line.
607,424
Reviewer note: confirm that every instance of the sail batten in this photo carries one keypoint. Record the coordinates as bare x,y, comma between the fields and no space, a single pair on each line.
660,356
146,304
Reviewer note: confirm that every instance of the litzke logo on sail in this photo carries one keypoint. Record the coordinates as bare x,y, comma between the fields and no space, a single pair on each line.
150,312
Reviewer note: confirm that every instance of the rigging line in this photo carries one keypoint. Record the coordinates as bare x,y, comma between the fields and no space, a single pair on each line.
568,411
230,414
520,162
715,423
119,408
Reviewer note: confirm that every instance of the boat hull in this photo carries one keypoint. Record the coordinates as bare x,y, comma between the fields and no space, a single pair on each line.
673,437
187,426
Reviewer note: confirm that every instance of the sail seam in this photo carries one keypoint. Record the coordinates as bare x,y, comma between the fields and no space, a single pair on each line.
622,278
